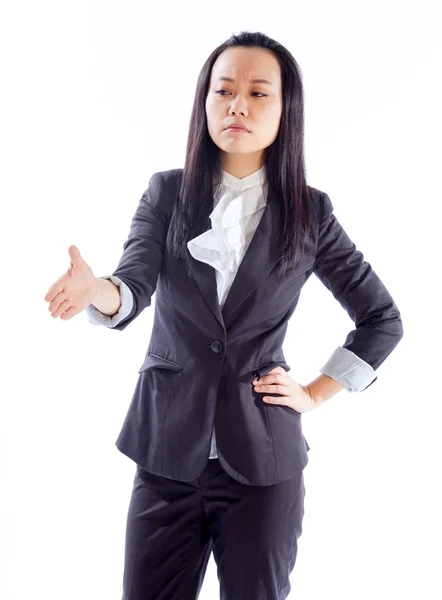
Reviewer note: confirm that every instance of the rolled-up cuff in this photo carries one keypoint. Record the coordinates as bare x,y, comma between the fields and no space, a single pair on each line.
348,369
96,317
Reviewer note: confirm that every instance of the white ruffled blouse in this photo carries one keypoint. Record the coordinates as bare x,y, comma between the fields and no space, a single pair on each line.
238,208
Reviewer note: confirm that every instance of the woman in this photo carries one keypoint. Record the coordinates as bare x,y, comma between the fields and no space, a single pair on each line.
215,422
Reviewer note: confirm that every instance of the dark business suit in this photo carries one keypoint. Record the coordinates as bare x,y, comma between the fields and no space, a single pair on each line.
198,353
198,370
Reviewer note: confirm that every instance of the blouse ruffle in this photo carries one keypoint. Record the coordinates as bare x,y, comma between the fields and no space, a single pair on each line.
239,204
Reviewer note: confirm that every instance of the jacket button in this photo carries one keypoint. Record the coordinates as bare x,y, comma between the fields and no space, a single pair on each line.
216,346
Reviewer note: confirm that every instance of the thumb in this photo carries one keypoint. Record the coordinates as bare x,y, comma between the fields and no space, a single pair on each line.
75,255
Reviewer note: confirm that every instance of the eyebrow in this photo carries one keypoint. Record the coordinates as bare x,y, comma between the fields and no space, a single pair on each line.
224,78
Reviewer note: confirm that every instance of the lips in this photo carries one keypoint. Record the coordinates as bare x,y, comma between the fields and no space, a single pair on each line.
237,127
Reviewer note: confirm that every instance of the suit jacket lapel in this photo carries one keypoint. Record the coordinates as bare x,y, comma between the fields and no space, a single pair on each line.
260,258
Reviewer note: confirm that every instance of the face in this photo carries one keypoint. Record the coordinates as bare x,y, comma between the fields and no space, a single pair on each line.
257,106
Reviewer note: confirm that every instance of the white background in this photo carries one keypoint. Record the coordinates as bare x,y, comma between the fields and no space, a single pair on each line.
96,98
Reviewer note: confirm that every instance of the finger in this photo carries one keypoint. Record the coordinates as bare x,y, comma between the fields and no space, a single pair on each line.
55,289
71,312
276,378
276,389
64,306
74,254
276,371
56,302
275,400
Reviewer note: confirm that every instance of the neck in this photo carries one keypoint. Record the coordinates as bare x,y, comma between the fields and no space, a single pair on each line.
240,165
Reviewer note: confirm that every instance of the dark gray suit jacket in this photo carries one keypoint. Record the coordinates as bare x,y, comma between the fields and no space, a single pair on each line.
201,360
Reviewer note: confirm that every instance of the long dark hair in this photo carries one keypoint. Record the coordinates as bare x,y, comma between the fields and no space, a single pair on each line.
283,160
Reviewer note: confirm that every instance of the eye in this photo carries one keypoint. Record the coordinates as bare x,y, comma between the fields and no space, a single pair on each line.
218,91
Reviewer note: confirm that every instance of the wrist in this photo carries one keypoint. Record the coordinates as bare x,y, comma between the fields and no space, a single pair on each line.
107,296
322,388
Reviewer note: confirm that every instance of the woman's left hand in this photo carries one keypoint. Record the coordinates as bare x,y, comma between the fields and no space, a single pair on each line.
292,394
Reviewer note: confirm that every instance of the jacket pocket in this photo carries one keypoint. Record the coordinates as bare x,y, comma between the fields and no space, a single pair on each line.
155,360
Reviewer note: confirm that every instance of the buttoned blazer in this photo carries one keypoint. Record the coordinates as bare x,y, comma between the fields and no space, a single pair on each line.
201,359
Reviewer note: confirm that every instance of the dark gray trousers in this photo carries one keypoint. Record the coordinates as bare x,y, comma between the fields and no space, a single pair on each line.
172,527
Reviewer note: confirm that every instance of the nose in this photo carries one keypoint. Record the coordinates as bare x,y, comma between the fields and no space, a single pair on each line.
241,109
240,112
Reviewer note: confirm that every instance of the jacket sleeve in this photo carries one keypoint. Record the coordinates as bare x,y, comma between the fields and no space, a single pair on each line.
139,266
341,267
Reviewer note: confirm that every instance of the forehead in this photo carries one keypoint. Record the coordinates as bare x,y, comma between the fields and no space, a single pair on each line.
253,63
